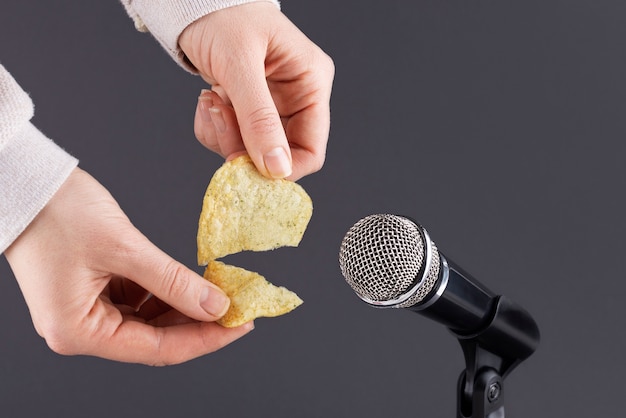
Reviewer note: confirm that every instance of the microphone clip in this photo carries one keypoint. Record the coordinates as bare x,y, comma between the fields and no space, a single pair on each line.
510,336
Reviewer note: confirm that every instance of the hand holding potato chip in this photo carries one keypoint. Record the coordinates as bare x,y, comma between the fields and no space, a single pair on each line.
276,94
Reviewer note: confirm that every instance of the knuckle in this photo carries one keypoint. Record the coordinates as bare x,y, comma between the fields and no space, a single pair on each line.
311,162
323,66
209,342
264,121
328,64
317,162
174,280
58,340
66,336
61,347
157,359
162,356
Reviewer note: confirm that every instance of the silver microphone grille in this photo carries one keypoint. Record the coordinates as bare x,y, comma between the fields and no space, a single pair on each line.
389,260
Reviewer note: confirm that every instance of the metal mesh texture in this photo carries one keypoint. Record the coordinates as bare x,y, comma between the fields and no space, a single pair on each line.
382,257
428,283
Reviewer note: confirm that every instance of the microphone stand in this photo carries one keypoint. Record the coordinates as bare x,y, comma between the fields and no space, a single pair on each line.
510,337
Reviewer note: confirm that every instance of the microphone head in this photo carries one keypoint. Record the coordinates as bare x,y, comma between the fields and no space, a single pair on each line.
389,261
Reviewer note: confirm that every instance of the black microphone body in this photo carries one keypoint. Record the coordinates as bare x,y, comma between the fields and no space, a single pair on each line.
471,311
458,301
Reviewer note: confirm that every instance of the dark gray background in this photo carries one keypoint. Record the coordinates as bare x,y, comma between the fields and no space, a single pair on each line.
498,125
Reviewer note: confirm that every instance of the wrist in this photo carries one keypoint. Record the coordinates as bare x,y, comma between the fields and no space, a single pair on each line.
167,19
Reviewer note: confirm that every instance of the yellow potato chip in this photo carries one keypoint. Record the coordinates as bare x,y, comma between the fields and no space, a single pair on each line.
251,296
243,210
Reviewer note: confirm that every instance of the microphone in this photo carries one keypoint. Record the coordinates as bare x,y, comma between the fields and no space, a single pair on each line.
390,261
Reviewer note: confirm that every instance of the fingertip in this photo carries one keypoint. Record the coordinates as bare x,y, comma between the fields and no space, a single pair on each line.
277,163
214,301
205,103
202,124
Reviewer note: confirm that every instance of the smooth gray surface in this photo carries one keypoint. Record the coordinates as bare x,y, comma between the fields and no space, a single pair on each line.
498,125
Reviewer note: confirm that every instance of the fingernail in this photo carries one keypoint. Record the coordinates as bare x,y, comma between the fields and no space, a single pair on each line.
214,301
218,119
277,163
205,103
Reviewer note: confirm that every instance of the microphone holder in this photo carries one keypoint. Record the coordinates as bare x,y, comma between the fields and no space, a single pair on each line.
510,336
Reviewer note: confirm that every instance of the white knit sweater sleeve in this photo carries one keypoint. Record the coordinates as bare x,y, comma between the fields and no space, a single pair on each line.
32,167
166,19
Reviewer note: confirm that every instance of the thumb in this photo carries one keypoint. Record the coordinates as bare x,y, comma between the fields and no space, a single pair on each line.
175,284
259,121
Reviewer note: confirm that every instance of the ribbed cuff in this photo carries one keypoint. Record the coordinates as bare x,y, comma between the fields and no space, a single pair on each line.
32,169
167,19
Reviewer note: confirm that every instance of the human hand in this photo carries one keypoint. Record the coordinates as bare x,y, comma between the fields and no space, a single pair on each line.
86,273
271,89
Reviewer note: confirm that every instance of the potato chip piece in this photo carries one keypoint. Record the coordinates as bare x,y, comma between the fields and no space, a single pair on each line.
243,210
251,296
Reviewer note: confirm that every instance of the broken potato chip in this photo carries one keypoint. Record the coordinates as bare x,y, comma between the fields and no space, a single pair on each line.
243,210
251,296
